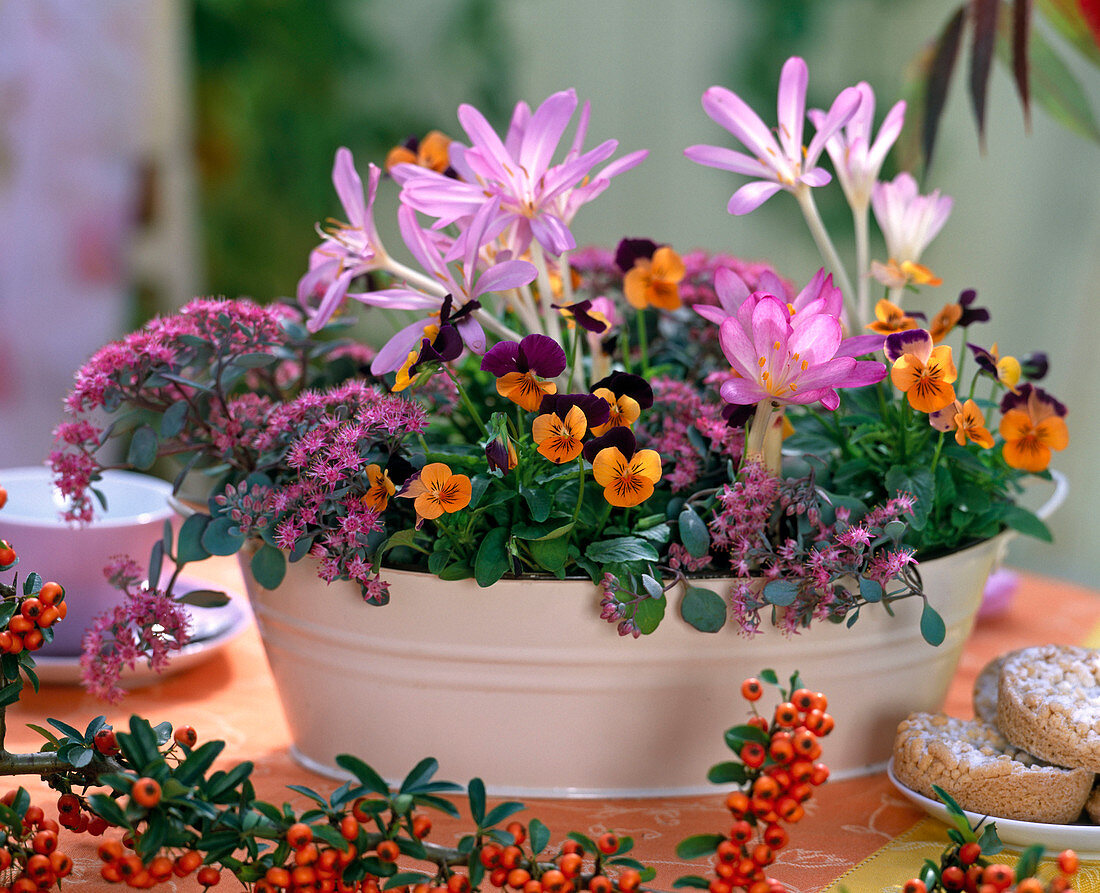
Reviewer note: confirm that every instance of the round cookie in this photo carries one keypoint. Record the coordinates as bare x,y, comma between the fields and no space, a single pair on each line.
983,772
1048,703
985,690
1092,805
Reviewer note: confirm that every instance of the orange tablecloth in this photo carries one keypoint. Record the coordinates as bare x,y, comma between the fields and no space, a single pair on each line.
231,696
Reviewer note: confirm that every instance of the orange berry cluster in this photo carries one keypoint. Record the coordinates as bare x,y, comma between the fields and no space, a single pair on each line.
32,615
122,867
29,858
508,868
963,869
782,772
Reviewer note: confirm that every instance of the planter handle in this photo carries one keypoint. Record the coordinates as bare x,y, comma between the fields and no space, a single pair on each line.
1061,491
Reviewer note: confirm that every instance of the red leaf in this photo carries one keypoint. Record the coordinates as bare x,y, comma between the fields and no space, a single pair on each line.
939,77
1021,31
981,57
1090,11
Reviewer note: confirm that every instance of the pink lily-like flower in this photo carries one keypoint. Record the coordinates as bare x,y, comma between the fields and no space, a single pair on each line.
476,280
785,164
819,296
856,159
780,363
909,221
538,199
349,249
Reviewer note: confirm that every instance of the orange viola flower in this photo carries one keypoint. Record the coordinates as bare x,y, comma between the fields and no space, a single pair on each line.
381,488
436,490
432,152
924,373
626,481
944,321
1033,424
625,411
559,440
966,420
889,317
655,281
525,389
895,275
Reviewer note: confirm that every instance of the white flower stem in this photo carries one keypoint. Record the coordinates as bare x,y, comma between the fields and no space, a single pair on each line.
863,265
551,319
825,245
765,438
568,298
496,326
413,277
524,304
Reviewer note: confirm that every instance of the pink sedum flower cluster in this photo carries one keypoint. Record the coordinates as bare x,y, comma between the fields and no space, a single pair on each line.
146,628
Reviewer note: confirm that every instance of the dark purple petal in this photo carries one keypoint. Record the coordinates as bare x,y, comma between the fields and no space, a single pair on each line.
620,437
501,358
542,354
584,319
1035,366
446,346
737,415
497,457
624,383
630,250
399,469
985,359
898,344
1029,393
971,314
595,409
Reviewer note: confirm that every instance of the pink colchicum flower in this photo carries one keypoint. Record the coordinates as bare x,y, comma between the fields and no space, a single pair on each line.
538,199
349,250
783,164
856,158
819,296
780,362
476,280
909,221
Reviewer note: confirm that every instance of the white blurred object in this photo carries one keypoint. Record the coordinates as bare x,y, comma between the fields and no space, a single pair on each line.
84,89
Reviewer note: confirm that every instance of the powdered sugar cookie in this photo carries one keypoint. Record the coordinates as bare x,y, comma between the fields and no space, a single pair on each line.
1048,703
973,762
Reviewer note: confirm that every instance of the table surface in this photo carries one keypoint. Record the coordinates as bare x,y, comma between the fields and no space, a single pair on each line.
848,824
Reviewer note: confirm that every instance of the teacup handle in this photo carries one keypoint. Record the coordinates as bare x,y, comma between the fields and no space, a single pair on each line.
1054,502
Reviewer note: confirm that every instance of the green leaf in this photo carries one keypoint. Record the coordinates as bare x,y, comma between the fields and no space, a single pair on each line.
67,730
156,560
738,736
173,420
502,811
45,733
698,845
703,609
1029,861
189,545
728,772
143,448
1066,17
539,503
419,776
693,533
990,841
364,773
457,571
254,360
475,792
691,881
539,836
222,536
405,879
140,745
108,808
649,613
1028,523
11,692
585,841
198,761
780,592
932,627
870,590
621,549
204,598
492,561
550,555
652,586
268,566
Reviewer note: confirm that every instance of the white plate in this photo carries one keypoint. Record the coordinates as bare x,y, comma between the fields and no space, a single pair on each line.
1084,839
212,629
